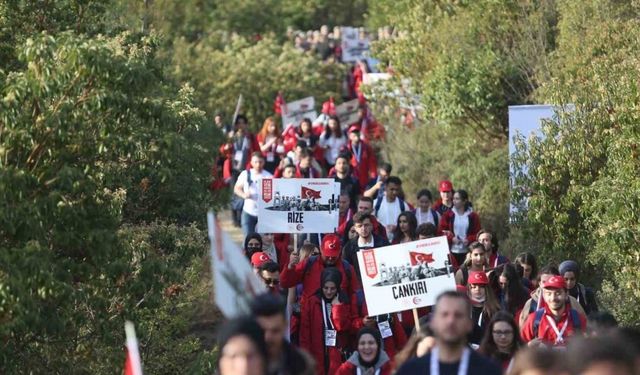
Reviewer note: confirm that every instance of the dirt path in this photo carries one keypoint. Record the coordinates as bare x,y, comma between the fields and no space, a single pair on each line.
207,315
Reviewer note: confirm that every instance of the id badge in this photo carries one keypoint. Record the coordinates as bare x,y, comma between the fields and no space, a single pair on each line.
270,157
385,329
330,337
238,156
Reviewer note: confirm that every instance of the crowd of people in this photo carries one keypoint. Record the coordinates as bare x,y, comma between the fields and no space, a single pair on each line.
505,317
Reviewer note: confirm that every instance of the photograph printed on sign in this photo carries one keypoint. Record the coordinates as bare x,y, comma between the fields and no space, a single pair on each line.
298,205
405,276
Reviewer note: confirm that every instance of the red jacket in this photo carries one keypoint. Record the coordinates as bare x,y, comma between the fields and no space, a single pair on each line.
310,278
281,243
312,333
546,331
446,225
406,318
392,344
367,167
349,368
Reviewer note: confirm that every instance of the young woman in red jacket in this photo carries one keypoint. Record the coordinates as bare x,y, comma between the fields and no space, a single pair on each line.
388,326
460,224
325,322
369,358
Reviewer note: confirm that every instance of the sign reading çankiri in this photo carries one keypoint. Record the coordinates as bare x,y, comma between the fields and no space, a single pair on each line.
405,276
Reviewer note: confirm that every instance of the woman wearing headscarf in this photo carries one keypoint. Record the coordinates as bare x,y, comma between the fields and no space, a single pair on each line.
369,358
252,244
570,270
325,321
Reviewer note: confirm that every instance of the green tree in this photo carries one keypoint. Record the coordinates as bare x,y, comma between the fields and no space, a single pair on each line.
580,180
91,136
258,71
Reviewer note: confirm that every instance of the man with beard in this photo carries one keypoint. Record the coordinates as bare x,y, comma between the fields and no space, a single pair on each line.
451,324
556,321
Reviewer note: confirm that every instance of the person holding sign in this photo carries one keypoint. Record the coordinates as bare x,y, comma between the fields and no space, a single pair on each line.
369,358
365,240
451,324
246,187
325,322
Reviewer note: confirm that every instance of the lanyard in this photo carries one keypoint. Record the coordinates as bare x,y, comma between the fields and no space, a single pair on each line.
359,371
559,333
462,369
357,151
325,316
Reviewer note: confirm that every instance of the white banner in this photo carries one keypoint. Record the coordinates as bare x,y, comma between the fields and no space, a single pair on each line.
295,112
298,205
347,112
234,282
405,276
353,48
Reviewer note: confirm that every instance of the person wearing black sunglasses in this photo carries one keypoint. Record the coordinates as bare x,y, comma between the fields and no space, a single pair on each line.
269,272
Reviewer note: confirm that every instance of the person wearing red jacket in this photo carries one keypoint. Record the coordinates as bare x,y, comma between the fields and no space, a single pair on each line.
369,358
556,321
363,159
388,326
460,224
325,322
445,203
308,271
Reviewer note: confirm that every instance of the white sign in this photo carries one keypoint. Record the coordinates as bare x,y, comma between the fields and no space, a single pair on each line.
298,205
405,276
353,48
295,112
347,112
234,282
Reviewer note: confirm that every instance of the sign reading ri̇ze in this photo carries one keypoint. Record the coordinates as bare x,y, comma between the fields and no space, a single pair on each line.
405,276
298,205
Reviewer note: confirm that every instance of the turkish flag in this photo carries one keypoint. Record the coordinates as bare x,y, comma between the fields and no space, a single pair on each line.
418,258
132,364
328,107
309,193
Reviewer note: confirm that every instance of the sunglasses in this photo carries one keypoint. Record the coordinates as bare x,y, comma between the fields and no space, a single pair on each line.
271,281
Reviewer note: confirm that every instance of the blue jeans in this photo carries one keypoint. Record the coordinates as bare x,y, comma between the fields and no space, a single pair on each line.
248,223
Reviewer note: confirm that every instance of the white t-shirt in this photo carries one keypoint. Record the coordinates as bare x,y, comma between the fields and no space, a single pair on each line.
460,227
389,212
425,217
335,144
250,204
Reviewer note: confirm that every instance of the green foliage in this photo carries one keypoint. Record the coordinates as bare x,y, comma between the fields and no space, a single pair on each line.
582,178
257,71
91,136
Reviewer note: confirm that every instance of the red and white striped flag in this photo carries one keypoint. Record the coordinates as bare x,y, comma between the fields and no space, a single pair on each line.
132,365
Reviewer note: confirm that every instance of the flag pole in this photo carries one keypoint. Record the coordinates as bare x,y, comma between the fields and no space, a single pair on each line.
133,355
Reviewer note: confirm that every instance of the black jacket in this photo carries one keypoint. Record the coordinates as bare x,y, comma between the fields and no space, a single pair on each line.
350,251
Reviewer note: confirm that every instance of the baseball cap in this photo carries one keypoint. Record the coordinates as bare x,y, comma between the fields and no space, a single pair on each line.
446,185
259,258
330,245
478,278
555,282
353,128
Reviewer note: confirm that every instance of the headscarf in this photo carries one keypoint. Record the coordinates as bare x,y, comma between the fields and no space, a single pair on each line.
569,266
376,335
246,244
330,274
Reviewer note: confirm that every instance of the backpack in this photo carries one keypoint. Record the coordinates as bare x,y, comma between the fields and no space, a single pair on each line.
379,204
573,315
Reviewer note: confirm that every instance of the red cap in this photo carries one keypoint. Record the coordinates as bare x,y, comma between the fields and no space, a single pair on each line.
353,128
330,245
259,258
555,282
478,278
446,185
